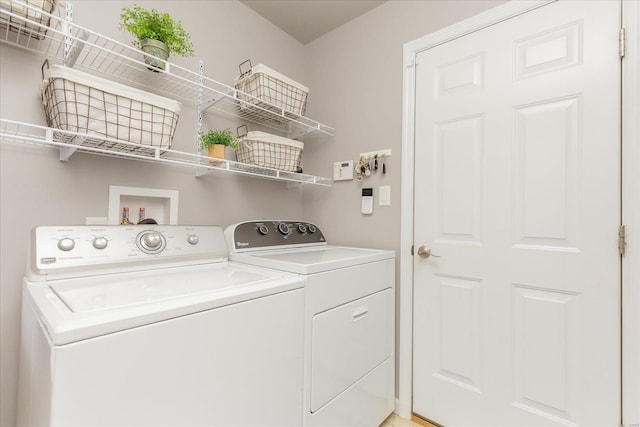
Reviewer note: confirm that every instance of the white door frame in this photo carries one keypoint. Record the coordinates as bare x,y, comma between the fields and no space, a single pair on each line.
631,196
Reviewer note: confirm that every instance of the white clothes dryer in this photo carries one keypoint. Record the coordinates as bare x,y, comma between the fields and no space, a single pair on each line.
151,325
349,318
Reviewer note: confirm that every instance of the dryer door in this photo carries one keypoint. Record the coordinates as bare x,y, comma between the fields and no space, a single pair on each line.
348,342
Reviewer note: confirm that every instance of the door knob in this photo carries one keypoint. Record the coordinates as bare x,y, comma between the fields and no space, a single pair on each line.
425,252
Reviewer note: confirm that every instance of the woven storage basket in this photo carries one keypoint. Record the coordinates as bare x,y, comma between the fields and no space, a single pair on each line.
35,12
272,91
83,103
270,151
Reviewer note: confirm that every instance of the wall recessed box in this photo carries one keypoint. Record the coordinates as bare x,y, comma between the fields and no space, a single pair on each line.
159,204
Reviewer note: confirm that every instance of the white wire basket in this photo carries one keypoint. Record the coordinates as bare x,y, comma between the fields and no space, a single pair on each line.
33,17
80,102
270,151
271,90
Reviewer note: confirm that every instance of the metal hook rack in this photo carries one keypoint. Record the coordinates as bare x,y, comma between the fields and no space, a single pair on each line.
370,162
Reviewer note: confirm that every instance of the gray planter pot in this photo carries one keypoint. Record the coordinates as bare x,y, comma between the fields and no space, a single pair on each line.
156,54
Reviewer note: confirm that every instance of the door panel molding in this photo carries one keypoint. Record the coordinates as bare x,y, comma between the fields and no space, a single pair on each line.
547,218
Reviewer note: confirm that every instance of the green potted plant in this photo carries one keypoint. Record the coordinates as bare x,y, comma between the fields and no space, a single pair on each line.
215,142
157,34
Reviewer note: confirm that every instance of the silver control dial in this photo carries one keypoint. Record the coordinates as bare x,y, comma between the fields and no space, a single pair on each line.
311,228
100,243
283,228
66,244
302,228
263,229
192,239
151,242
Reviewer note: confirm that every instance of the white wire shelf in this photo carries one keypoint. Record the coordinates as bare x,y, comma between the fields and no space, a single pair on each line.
69,143
79,47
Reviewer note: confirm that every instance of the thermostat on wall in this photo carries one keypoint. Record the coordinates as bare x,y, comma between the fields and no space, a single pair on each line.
343,171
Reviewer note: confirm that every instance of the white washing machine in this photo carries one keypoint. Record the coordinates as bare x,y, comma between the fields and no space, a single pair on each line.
151,325
349,318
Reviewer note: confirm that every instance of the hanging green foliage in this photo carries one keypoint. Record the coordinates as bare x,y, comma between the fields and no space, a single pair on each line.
145,24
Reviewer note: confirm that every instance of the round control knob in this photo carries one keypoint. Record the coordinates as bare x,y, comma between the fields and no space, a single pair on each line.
66,244
192,239
100,243
151,240
302,228
311,228
263,229
283,228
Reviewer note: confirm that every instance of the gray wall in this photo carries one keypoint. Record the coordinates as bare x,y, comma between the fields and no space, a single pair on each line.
37,189
355,76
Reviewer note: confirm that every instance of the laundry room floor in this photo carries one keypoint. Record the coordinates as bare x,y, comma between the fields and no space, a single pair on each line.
396,421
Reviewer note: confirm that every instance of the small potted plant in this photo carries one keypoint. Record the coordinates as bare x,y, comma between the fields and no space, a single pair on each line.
156,34
216,140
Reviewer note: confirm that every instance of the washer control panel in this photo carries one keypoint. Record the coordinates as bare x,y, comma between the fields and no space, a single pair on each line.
80,247
274,233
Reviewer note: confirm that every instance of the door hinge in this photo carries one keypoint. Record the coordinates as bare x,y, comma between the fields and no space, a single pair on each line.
411,250
622,42
622,240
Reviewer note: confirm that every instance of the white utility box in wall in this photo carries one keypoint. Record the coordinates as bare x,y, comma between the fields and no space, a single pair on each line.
159,204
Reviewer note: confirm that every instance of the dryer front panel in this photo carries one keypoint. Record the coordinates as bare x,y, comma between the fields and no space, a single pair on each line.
348,342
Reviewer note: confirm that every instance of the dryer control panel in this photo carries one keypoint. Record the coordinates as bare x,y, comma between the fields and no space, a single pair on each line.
255,235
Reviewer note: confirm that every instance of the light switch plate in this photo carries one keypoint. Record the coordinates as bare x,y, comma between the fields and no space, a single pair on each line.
384,195
343,171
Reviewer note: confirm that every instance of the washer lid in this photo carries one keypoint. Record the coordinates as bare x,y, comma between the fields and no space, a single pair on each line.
313,260
102,293
76,309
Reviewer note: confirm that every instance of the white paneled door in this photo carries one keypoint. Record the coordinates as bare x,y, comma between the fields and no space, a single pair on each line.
517,190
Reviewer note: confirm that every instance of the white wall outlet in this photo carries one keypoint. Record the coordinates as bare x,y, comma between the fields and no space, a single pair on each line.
384,195
343,171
